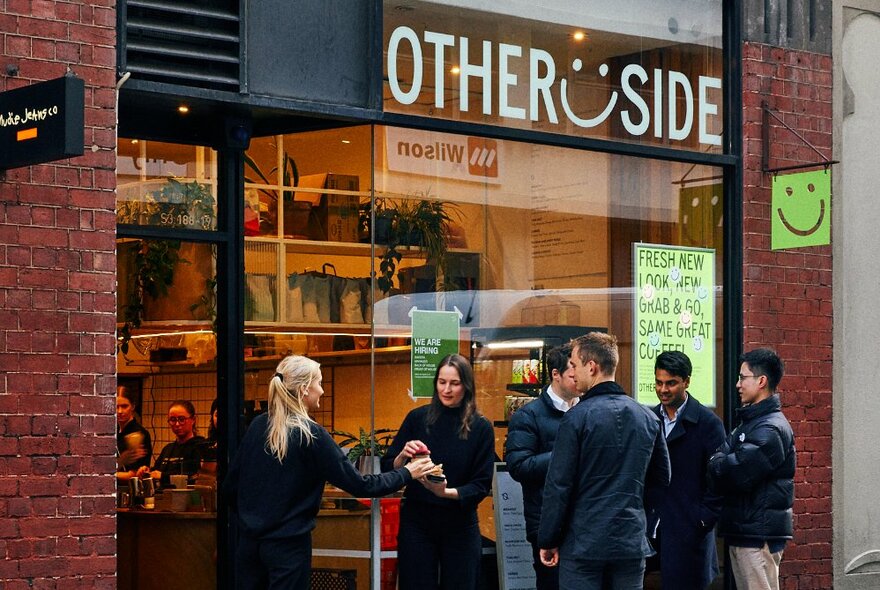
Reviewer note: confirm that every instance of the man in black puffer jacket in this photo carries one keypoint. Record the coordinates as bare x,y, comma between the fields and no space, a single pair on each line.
530,440
754,471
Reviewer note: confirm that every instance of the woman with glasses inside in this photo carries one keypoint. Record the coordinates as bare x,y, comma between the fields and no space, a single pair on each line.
184,455
277,479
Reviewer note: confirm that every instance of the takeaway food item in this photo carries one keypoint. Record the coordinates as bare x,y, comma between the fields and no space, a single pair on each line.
436,474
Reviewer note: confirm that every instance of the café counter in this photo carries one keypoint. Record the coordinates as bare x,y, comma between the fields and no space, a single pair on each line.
159,549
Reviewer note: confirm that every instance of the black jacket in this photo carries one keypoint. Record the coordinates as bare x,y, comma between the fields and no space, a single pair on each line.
754,471
687,510
607,447
279,500
531,435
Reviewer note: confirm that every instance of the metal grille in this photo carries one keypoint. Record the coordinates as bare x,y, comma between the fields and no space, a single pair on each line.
189,43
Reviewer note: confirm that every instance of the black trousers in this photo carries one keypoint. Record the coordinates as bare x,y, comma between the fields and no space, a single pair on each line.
437,548
273,564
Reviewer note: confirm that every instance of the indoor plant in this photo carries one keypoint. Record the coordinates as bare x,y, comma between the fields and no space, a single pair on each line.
365,445
423,223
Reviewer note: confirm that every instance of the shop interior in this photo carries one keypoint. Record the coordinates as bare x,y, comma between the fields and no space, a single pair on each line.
345,231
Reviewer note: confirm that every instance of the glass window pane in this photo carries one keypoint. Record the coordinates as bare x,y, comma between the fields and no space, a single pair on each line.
166,185
635,71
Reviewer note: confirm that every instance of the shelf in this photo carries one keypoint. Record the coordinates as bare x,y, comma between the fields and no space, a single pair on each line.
532,389
343,248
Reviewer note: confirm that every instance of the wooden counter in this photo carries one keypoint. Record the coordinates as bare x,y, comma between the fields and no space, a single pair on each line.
158,550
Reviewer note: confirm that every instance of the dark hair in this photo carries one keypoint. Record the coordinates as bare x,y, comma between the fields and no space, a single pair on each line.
186,405
558,358
468,407
675,363
212,430
599,347
764,361
123,391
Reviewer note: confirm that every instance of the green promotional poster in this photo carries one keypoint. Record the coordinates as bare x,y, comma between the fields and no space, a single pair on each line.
435,334
800,210
674,310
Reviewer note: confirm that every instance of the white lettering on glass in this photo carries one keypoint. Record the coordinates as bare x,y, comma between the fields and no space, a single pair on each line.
543,89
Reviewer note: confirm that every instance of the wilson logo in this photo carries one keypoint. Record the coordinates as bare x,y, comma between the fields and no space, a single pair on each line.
482,157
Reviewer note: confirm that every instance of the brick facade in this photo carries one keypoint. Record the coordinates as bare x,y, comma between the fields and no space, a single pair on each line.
787,293
58,314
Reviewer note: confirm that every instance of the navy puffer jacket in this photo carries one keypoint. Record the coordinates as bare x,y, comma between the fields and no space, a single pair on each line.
754,471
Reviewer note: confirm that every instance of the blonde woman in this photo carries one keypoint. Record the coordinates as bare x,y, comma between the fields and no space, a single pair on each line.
277,478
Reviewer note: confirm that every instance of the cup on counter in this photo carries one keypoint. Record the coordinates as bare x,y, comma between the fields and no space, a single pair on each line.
179,481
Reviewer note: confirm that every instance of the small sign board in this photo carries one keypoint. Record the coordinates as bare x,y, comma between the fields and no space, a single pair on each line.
435,334
514,552
800,210
42,122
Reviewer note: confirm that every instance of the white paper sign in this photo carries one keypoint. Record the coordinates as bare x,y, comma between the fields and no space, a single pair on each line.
515,570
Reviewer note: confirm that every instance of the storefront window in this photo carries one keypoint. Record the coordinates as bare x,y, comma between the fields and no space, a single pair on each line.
531,244
166,185
633,70
167,377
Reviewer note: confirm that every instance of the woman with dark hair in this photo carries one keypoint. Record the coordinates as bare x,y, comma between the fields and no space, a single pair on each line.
132,439
183,456
277,478
439,538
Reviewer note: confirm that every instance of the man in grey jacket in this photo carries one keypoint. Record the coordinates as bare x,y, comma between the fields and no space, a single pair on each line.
754,471
607,448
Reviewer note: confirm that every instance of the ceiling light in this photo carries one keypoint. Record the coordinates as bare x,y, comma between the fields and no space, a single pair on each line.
515,344
579,36
183,109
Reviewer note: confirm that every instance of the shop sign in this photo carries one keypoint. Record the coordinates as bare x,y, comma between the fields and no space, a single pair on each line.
435,334
801,210
42,122
674,310
444,155
677,108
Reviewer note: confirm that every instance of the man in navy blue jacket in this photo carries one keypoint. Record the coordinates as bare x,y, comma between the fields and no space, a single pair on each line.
682,517
593,516
754,471
530,439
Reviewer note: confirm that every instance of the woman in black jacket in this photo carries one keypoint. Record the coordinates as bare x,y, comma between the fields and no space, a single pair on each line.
277,478
439,531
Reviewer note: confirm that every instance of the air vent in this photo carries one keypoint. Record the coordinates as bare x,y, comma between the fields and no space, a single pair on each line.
195,43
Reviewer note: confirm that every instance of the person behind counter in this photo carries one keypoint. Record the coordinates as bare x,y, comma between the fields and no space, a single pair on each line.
132,439
439,530
183,456
277,478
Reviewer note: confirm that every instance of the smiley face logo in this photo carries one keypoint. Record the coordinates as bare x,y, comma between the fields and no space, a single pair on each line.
702,293
654,340
648,292
685,319
698,343
674,274
801,210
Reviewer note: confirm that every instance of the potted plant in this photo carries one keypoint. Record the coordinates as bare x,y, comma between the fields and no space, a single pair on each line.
423,223
365,448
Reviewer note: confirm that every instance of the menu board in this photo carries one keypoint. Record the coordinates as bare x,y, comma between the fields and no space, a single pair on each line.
674,300
514,552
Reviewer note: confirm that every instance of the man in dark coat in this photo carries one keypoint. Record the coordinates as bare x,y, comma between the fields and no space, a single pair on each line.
754,471
681,518
530,439
608,446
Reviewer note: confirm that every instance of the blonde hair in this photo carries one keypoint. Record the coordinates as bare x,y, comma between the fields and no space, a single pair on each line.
287,412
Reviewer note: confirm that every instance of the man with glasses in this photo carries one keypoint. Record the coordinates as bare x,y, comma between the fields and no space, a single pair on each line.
754,471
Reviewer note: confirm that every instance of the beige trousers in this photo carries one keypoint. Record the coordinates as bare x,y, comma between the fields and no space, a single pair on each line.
755,568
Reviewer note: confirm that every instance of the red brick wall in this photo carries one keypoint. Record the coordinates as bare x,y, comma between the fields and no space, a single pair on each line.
787,293
58,315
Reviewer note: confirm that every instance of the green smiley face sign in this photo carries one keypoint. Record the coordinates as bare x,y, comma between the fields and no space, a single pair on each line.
800,210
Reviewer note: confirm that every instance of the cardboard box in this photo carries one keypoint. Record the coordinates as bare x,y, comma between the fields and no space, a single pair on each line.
334,216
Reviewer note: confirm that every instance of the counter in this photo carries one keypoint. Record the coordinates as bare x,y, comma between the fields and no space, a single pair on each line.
158,550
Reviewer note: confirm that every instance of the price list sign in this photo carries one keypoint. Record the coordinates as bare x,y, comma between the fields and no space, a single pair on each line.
674,301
